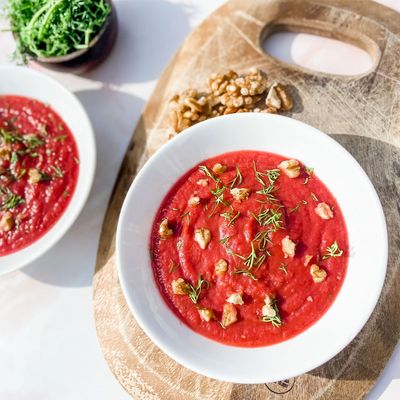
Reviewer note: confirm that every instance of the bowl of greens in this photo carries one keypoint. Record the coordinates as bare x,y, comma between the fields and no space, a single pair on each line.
63,34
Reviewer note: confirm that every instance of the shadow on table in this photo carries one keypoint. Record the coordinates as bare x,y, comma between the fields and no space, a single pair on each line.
71,262
161,25
365,358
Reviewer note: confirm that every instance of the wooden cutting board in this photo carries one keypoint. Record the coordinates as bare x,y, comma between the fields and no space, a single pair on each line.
362,113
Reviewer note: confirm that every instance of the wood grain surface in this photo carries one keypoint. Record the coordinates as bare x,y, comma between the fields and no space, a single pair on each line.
361,112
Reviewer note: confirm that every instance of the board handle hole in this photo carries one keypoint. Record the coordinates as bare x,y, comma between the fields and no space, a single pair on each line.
351,55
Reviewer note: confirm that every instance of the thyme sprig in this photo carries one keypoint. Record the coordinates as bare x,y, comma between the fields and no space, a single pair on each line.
224,240
332,251
263,238
194,292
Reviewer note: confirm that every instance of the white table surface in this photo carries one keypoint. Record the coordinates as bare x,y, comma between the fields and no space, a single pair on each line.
48,343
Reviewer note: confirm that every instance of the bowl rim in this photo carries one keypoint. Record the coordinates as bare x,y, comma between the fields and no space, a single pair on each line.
78,199
127,291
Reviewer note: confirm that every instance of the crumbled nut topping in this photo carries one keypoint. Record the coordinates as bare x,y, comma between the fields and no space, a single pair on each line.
291,168
240,194
324,211
165,231
5,152
229,315
34,176
307,259
268,309
288,247
219,169
180,287
228,93
6,222
318,274
202,236
206,314
235,298
194,201
221,266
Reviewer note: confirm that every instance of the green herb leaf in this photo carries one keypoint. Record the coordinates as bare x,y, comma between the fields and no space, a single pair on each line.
194,292
245,272
332,251
10,200
237,180
283,268
59,173
276,321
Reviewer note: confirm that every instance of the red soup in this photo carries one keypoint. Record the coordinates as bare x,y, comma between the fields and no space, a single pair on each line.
249,248
39,166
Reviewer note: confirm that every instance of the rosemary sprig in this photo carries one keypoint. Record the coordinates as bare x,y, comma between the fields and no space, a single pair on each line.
314,197
283,268
245,272
263,238
309,171
332,251
237,180
11,200
205,171
57,170
173,266
253,259
230,216
298,205
187,216
276,320
194,292
224,240
269,216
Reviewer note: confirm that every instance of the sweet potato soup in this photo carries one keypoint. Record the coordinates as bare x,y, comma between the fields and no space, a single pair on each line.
249,248
39,168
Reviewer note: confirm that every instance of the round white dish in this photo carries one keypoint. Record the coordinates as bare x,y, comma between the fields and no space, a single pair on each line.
22,81
367,238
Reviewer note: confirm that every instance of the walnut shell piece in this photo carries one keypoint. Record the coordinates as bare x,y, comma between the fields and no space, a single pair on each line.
229,315
318,274
165,231
6,222
324,211
180,287
202,237
291,168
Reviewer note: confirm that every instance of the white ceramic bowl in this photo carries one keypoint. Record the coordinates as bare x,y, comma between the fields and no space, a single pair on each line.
367,236
22,81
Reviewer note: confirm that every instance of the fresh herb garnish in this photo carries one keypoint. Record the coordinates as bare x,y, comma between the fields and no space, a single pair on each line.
263,238
298,205
237,180
224,240
245,272
283,268
230,216
11,200
276,320
218,193
269,216
45,177
57,170
187,216
253,259
10,137
194,292
14,157
203,169
55,28
77,160
60,138
32,141
309,171
332,251
314,197
173,266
